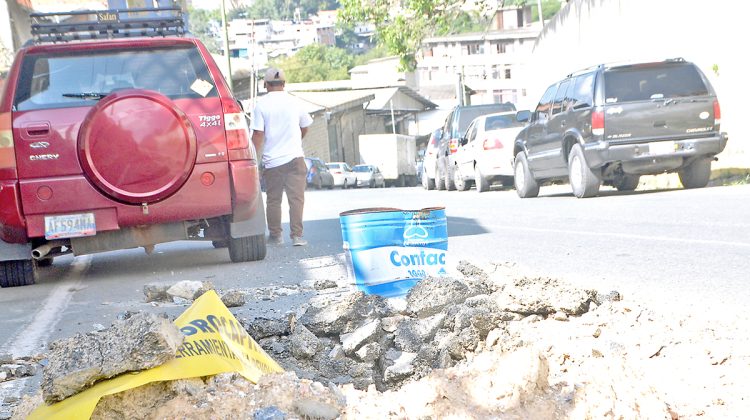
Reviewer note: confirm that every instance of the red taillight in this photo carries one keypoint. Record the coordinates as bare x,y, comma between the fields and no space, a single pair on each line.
237,131
717,112
597,122
453,145
492,144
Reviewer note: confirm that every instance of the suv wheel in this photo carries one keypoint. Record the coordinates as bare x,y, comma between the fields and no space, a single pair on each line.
220,244
448,176
318,182
526,185
427,183
458,179
583,180
697,174
480,181
439,179
626,182
16,273
248,248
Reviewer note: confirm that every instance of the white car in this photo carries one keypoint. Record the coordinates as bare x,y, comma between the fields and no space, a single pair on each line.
429,164
342,175
485,154
369,176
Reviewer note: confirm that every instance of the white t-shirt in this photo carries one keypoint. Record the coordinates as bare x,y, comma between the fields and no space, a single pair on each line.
280,115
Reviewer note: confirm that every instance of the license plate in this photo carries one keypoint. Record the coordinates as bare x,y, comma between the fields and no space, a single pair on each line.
661,148
69,226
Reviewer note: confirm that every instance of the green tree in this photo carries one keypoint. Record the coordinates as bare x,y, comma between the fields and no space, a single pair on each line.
315,63
205,25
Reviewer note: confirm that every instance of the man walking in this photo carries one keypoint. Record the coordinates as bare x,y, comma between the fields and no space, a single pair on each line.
279,123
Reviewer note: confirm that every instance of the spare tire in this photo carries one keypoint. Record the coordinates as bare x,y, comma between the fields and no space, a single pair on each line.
136,146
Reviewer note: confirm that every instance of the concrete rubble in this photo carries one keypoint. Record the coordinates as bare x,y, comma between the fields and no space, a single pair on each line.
139,342
490,343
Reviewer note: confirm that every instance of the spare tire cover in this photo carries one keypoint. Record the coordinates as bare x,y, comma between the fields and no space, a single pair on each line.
136,146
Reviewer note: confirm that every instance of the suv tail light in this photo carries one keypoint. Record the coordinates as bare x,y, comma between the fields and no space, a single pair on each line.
597,121
7,153
237,132
717,113
492,144
453,145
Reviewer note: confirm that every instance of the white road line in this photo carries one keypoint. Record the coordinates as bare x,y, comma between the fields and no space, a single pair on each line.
609,234
28,341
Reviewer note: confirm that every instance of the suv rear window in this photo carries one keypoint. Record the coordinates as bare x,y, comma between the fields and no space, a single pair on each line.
644,83
468,114
501,121
54,80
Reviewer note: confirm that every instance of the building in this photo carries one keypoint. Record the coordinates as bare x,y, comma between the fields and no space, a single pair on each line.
488,64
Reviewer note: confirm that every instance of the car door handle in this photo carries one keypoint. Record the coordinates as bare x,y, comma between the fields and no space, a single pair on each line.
37,129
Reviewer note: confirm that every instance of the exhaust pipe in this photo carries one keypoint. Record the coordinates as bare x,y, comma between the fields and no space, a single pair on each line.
40,252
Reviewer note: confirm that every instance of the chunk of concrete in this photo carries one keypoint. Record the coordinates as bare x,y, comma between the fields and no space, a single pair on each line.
411,333
157,292
402,365
304,344
142,341
233,299
366,333
431,295
344,316
190,290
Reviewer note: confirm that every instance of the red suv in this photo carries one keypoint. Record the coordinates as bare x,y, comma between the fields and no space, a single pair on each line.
117,131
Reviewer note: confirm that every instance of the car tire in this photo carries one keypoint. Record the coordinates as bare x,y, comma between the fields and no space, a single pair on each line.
697,174
480,181
17,273
626,182
523,180
248,248
219,244
439,180
458,180
450,185
344,186
584,181
427,183
318,183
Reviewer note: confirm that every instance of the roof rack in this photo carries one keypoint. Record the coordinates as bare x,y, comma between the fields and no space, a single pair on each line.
105,24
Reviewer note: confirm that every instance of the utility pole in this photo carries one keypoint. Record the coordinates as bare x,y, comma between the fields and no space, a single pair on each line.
539,8
226,41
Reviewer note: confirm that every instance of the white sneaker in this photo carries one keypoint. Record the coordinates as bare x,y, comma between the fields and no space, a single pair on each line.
298,241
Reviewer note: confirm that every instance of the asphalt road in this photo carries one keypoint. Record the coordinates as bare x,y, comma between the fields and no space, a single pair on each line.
686,250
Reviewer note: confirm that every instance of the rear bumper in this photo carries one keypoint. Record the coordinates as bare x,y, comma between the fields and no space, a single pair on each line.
74,194
603,152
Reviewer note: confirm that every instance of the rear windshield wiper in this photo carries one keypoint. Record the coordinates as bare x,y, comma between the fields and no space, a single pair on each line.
85,95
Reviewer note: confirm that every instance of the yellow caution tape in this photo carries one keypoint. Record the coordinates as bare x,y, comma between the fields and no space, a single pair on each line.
214,343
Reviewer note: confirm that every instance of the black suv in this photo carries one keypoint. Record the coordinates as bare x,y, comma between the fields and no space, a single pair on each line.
611,124
453,130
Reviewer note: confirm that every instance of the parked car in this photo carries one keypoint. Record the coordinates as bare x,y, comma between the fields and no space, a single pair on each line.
318,175
342,175
454,129
369,176
115,138
429,164
613,123
485,154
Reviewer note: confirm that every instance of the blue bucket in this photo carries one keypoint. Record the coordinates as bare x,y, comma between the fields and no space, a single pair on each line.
389,250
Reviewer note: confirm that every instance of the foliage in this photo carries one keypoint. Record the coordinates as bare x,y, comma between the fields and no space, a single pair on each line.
205,25
314,63
549,9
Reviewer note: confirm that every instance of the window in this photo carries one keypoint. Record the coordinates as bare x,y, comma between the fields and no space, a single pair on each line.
497,122
471,134
582,95
54,80
557,106
507,73
541,112
500,47
640,83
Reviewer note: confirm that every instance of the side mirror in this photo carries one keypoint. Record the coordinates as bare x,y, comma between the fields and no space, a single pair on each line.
523,116
464,140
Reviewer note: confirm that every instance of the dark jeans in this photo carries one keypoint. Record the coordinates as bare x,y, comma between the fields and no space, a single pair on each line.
289,177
